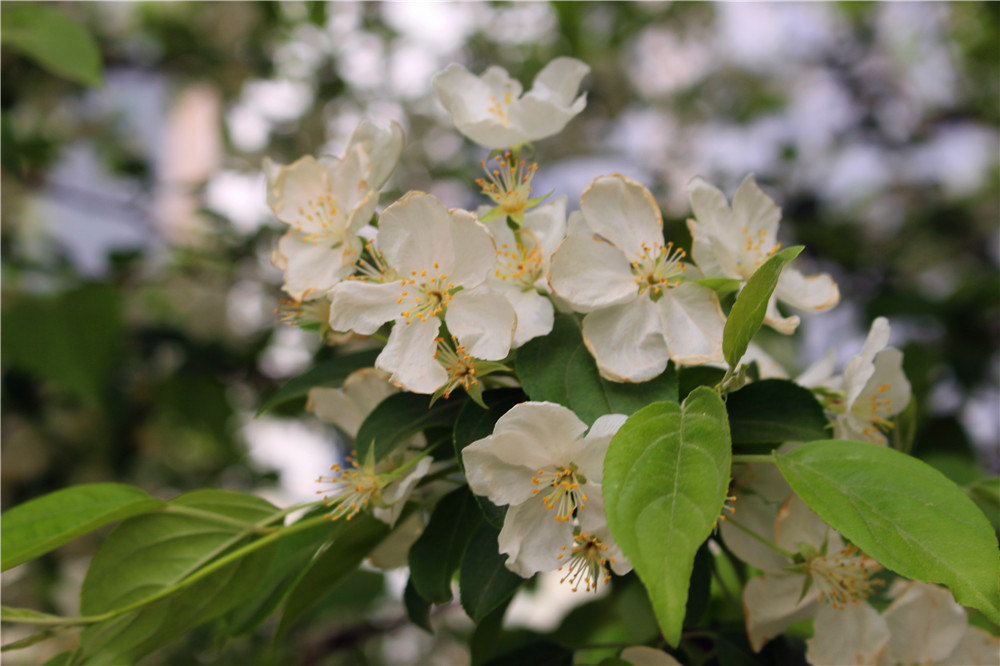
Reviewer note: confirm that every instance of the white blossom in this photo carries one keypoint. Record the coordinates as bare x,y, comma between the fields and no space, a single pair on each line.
491,110
642,306
732,242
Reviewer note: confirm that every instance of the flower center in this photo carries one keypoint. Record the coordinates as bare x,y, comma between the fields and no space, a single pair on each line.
879,411
428,297
520,264
461,367
566,495
655,265
318,221
353,489
755,252
844,577
372,267
499,107
588,563
508,183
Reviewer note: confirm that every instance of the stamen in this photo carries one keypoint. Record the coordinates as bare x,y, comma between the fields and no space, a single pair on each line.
844,577
566,495
588,563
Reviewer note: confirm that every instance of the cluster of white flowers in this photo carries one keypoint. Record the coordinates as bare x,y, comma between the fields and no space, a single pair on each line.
451,292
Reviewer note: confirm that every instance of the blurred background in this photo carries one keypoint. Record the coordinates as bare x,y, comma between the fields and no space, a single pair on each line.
139,333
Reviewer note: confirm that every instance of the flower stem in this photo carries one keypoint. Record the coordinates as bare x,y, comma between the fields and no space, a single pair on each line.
773,546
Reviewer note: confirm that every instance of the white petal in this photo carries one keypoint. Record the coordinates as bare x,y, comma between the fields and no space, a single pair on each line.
820,373
535,315
755,211
540,117
712,253
363,307
692,324
797,524
758,515
812,294
777,321
347,179
560,80
856,634
532,539
594,521
589,456
394,550
415,233
500,467
627,341
399,490
590,273
547,223
926,624
383,147
576,223
293,186
763,480
709,205
624,212
976,647
333,406
409,356
483,321
640,655
475,253
860,368
467,99
887,391
772,603
313,268
368,387
768,367
552,428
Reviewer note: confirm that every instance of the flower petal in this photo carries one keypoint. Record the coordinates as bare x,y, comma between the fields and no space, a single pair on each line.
624,212
797,524
383,146
547,223
590,451
483,321
363,307
627,341
772,603
861,368
692,324
532,539
559,81
415,233
755,214
291,188
777,321
475,253
925,622
500,467
312,268
552,429
887,392
590,273
812,294
855,634
534,312
409,356
758,515
468,99
976,647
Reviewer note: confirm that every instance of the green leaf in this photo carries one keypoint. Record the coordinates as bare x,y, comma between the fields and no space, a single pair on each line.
55,41
473,423
39,525
330,373
146,556
418,609
351,543
751,305
28,641
435,556
29,616
691,377
398,418
537,654
559,368
44,337
775,410
901,512
721,286
986,494
484,582
291,556
665,479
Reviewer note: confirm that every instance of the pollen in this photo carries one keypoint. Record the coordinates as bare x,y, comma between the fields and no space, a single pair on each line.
588,563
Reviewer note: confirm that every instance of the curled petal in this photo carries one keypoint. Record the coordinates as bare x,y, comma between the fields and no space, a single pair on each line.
692,324
812,294
409,356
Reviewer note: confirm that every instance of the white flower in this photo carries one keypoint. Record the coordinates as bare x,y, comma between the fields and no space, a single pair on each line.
641,312
734,242
831,585
348,406
875,389
326,202
490,109
523,263
539,462
443,258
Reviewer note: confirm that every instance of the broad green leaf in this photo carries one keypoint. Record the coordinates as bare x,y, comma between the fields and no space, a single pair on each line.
484,582
291,556
751,305
418,609
485,638
43,336
473,423
352,541
55,41
39,525
986,494
901,512
665,479
151,554
398,418
435,556
775,410
329,373
559,368
721,286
